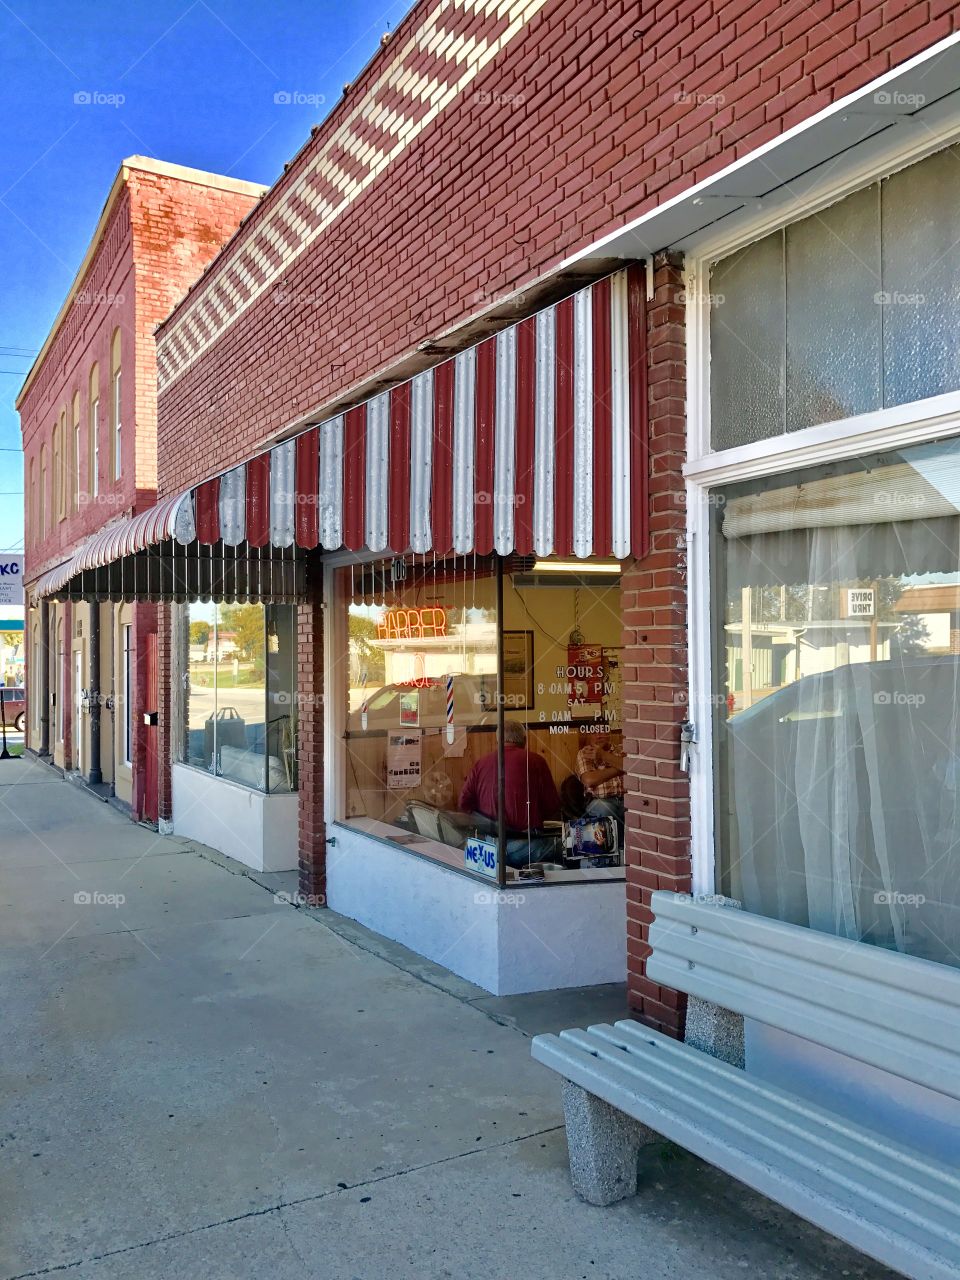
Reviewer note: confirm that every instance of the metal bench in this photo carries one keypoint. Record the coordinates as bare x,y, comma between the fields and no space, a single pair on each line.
626,1085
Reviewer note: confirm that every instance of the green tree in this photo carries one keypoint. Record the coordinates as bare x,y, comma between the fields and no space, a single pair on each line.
199,633
368,657
246,622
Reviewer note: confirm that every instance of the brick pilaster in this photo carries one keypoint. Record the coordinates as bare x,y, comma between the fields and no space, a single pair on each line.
655,661
164,726
312,843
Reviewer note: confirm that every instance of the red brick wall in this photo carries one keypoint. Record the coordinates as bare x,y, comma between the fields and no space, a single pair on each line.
591,115
106,300
310,736
655,661
161,234
178,228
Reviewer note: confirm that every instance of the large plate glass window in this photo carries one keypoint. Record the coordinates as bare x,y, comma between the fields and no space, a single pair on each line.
837,648
240,707
426,649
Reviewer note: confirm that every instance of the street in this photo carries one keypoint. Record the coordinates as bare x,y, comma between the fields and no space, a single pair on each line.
201,1080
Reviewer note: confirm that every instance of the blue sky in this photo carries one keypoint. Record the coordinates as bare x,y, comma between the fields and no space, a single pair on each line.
193,83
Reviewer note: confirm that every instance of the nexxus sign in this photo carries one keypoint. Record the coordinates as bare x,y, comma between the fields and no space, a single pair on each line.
11,578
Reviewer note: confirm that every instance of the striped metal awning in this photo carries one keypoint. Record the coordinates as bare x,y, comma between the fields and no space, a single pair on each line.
137,558
120,538
533,441
530,442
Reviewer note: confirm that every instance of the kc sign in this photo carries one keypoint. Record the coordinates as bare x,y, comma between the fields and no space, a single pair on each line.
11,578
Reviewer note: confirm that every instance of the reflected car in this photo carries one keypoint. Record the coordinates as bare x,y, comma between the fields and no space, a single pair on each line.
423,704
14,707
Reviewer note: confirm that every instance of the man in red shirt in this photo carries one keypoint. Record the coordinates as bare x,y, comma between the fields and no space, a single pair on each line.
529,798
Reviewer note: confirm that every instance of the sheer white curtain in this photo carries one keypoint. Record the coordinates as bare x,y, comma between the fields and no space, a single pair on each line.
839,799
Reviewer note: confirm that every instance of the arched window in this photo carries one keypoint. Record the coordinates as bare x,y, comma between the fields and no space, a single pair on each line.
56,510
75,452
116,404
44,496
32,502
94,484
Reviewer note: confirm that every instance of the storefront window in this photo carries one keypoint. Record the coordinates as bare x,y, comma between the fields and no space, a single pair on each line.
423,697
850,310
837,648
240,693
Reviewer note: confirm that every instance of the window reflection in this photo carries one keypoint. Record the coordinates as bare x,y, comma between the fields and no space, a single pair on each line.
240,715
420,679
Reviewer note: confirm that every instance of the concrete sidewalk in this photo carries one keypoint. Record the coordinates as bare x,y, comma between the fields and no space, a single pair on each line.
199,1081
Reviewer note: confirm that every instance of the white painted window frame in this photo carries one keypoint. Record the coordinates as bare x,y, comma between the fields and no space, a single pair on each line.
707,469
117,427
334,651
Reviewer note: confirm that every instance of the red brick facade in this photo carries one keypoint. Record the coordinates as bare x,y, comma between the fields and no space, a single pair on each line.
310,697
160,227
589,116
653,599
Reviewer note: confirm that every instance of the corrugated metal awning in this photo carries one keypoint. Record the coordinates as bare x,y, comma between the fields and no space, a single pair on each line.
532,441
138,559
120,538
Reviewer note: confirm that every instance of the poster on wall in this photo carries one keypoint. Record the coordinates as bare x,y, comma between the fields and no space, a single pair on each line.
403,758
585,674
410,708
518,670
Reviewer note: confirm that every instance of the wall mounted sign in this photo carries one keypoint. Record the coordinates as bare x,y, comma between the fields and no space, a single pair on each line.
11,578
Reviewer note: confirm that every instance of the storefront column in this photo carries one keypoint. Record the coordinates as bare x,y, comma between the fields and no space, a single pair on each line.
655,661
66,687
94,771
42,684
312,839
164,623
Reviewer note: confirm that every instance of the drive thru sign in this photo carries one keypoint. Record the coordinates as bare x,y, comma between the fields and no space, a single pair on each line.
861,602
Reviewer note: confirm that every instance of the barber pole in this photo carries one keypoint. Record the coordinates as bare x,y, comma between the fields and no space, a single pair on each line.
450,709
363,705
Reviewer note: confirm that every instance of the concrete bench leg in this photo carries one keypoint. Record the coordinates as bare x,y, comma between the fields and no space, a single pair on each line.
604,1146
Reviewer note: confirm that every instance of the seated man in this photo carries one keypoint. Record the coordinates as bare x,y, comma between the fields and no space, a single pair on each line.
529,798
600,769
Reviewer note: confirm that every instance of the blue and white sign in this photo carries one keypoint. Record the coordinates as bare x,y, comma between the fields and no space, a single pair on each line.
481,855
11,578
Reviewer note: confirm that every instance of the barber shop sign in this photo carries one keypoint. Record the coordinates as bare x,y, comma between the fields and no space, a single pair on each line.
11,579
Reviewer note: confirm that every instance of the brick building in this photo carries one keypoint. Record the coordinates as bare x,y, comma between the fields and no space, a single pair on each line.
529,384
88,412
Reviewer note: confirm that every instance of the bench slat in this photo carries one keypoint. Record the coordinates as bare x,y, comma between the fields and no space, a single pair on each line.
745,1102
893,1012
883,1199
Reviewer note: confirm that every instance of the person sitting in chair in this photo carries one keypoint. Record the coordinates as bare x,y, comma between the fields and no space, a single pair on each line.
529,798
600,769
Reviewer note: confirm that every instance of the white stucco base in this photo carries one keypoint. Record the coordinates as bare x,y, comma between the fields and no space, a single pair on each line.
258,830
527,938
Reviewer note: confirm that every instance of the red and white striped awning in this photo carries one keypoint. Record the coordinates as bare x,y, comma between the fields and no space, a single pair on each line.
121,538
531,442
